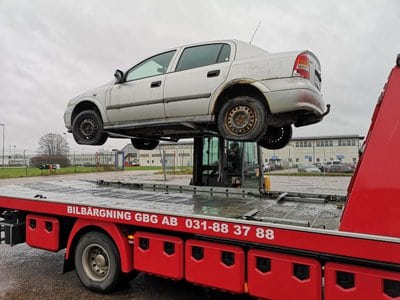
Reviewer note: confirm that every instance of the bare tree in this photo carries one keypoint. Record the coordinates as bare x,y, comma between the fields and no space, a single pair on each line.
53,144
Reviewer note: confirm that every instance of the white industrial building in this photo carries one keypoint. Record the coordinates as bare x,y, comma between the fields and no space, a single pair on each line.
325,149
178,154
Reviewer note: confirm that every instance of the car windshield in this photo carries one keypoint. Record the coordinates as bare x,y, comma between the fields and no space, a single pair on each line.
153,66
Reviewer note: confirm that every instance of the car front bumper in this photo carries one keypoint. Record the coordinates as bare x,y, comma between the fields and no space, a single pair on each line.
67,118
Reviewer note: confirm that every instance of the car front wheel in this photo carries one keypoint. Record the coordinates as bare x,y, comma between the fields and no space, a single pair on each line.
276,137
242,118
87,128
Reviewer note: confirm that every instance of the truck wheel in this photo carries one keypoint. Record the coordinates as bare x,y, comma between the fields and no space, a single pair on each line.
87,128
276,137
242,118
97,262
143,144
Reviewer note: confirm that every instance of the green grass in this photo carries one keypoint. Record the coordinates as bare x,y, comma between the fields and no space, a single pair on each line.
30,171
13,172
142,168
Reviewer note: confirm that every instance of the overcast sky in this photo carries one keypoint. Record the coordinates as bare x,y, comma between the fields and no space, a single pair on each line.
51,51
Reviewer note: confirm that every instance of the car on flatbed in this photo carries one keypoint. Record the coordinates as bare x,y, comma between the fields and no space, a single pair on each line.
229,88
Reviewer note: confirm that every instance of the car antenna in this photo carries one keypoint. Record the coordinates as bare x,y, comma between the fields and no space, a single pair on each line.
255,31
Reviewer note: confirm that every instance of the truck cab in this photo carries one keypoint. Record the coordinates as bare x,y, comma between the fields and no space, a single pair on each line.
226,163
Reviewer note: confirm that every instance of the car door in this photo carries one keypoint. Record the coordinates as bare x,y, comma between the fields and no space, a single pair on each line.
199,71
140,96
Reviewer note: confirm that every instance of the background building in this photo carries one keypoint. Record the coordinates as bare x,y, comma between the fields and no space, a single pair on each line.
176,155
324,149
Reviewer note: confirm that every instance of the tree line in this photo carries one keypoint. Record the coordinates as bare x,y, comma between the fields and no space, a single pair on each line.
53,149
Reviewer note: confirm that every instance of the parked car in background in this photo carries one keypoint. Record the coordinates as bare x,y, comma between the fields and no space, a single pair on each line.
229,88
322,167
267,167
308,169
340,168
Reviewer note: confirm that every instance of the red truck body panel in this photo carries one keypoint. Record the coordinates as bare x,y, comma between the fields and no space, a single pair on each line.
373,204
274,275
159,254
366,247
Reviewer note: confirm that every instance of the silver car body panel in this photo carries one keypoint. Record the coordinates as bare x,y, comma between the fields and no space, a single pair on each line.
191,95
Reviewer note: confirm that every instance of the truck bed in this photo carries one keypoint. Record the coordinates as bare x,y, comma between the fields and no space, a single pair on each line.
275,207
299,223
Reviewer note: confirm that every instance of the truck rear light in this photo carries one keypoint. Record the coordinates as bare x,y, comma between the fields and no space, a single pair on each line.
302,66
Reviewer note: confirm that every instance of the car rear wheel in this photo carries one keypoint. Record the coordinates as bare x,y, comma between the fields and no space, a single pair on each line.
243,119
276,137
87,128
143,144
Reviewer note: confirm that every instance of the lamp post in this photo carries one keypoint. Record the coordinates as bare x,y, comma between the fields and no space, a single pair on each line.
4,129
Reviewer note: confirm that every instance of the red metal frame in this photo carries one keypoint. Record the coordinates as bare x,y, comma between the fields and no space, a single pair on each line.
373,203
319,241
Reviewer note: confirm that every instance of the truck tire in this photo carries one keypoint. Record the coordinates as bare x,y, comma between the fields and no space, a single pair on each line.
143,144
97,262
242,119
87,128
276,137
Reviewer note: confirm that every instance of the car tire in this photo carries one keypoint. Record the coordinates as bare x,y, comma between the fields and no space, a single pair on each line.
97,262
87,129
276,137
242,119
143,144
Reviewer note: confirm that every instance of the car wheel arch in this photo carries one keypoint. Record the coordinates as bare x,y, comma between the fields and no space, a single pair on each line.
239,88
87,105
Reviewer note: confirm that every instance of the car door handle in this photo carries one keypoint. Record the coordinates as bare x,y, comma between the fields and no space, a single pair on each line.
213,73
155,84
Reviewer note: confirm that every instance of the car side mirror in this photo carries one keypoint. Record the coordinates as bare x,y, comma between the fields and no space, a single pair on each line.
119,76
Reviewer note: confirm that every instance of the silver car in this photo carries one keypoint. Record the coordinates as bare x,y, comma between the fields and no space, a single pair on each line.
228,88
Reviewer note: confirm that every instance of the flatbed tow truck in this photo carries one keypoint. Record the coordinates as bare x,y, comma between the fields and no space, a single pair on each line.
270,245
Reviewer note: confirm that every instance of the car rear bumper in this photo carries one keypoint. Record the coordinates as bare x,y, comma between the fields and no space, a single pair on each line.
292,94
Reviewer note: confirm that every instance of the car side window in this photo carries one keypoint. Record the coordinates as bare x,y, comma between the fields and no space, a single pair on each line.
153,66
199,56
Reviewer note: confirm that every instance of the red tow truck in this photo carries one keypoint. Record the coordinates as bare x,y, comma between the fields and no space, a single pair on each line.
270,245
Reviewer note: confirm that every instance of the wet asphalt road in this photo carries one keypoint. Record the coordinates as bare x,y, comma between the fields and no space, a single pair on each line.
27,273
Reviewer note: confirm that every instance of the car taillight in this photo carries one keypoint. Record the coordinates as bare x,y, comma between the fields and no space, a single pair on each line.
302,66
